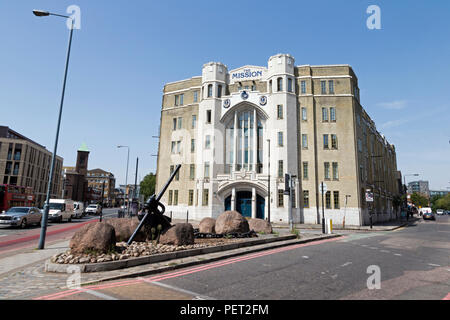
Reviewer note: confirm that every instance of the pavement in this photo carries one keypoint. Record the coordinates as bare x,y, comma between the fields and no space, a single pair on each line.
26,265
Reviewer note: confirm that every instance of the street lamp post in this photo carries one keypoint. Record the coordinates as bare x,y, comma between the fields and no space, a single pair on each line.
268,184
41,245
126,179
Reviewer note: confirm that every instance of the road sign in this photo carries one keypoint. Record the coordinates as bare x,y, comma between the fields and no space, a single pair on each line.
369,196
324,190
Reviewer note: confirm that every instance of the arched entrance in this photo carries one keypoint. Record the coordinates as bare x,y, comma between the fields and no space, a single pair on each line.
244,204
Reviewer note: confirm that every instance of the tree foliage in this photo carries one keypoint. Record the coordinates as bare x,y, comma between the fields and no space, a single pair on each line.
443,203
148,185
419,200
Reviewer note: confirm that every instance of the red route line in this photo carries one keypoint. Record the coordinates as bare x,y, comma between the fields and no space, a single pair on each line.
447,297
36,236
181,272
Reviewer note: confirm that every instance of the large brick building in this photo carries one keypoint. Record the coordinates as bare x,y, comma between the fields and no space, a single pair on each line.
220,127
26,163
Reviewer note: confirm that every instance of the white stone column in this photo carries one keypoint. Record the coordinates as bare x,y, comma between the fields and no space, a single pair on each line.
235,135
233,199
255,151
254,203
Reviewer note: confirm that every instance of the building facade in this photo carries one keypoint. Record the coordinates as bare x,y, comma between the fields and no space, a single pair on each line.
236,133
104,182
75,183
26,163
420,186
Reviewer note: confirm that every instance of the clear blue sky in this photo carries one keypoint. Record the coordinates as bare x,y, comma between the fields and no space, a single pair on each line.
126,50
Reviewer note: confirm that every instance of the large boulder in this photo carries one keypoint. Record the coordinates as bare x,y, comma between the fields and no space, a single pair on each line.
260,226
178,235
124,228
96,237
231,222
207,225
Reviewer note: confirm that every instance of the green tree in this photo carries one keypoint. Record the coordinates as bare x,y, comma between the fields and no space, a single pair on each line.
434,200
443,202
148,185
419,200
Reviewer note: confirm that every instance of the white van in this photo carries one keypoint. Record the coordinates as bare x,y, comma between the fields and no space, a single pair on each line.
60,209
78,210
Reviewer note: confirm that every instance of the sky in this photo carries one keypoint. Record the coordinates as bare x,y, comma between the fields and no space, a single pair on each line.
125,51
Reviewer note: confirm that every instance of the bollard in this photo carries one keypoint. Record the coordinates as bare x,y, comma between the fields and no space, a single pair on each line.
329,226
187,216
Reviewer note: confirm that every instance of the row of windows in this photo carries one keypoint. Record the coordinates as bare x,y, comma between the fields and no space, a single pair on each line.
305,171
306,204
173,197
179,98
178,122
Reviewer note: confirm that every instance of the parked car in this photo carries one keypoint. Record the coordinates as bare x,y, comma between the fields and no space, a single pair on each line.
78,210
93,209
429,216
60,210
440,212
21,217
424,210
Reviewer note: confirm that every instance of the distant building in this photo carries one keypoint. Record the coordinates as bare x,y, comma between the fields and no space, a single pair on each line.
420,186
96,178
26,163
75,183
440,193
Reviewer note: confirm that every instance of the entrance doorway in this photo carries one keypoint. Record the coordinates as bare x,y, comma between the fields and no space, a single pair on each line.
244,204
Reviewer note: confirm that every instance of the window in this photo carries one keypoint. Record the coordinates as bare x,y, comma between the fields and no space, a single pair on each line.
180,122
192,145
328,200
280,139
336,199
331,86
303,86
335,171
175,198
192,172
270,86
304,114
172,169
327,170
206,173
305,198
177,176
194,121
324,114
305,170
207,142
334,143
205,197
333,114
191,198
304,141
181,99
280,84
280,111
219,91
208,116
173,147
323,85
280,198
195,96
177,100
280,169
325,142
174,124
178,146
359,145
210,90
289,84
253,87
170,197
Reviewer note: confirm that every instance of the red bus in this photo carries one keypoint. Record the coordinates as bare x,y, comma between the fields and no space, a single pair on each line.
15,196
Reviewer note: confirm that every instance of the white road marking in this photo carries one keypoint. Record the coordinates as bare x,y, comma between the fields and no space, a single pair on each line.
196,295
305,257
346,264
397,254
434,265
99,294
373,248
334,276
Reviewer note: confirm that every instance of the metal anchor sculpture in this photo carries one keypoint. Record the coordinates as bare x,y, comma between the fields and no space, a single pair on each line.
155,210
